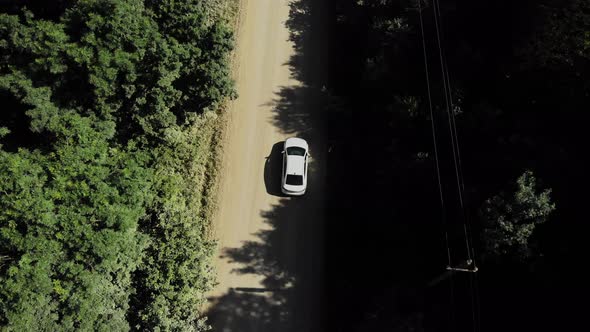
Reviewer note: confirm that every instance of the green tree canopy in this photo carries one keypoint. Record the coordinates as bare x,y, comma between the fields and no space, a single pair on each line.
101,226
563,38
510,218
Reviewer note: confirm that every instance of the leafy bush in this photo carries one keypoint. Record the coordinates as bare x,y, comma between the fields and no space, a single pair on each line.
510,219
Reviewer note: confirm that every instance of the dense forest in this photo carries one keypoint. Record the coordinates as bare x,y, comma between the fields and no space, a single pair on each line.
519,91
108,127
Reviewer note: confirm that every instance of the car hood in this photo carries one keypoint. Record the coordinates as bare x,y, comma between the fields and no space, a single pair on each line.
294,141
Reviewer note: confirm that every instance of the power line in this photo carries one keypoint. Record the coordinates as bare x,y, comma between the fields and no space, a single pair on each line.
438,175
454,143
453,127
447,78
442,203
474,291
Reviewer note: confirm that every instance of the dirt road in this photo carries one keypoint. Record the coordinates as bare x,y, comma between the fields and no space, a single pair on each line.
270,247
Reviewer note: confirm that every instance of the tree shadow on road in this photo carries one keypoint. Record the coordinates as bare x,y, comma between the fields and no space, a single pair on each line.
288,260
243,311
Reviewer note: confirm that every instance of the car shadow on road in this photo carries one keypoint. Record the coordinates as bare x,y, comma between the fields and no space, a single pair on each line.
273,166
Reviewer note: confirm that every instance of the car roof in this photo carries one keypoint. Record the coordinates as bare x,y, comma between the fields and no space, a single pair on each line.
296,141
295,165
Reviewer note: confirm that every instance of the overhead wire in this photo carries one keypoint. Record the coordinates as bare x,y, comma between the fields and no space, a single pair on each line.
433,128
437,163
473,285
454,143
456,136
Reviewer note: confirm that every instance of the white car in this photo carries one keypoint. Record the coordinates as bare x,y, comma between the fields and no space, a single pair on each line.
294,175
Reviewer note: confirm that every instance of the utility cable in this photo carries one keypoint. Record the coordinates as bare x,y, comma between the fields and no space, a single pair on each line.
447,92
473,286
433,128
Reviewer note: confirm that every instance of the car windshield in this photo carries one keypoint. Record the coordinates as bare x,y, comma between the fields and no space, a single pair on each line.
295,151
294,180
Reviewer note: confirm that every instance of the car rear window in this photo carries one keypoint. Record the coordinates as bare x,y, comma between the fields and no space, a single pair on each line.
295,151
294,180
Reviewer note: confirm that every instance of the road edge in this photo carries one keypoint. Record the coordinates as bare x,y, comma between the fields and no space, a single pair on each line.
224,120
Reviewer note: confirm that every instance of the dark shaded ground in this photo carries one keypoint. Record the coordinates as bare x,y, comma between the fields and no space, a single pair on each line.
272,170
290,299
390,234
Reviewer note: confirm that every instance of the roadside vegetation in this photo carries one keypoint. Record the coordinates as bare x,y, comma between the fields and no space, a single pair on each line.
108,150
